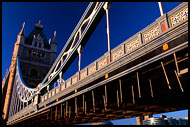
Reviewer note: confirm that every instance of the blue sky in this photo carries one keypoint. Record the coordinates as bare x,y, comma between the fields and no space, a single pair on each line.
126,19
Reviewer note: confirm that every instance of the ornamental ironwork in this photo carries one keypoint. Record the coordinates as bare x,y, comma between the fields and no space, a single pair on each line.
117,53
25,93
151,34
179,17
130,46
102,63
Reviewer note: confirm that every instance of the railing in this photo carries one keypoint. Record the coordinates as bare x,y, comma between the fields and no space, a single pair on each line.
24,92
151,32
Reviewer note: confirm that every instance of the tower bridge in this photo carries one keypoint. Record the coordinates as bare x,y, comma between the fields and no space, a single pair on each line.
146,74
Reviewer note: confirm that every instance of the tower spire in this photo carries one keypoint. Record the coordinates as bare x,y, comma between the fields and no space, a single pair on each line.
54,34
49,40
54,38
22,30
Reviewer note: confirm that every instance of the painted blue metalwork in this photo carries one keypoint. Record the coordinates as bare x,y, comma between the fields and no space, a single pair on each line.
24,91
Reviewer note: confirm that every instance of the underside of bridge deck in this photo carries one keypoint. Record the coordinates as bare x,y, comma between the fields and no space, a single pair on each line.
142,92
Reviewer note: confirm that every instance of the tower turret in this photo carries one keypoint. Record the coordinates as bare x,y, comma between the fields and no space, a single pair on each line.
53,44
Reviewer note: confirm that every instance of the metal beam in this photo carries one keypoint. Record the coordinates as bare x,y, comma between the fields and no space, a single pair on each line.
152,95
176,63
69,111
93,102
56,112
139,89
120,88
76,108
66,108
106,98
61,110
133,94
117,98
166,75
179,81
85,108
79,62
83,102
106,8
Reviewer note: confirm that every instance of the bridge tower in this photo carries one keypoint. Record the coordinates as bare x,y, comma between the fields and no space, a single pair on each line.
36,57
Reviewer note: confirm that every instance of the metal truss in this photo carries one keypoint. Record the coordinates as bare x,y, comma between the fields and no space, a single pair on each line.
78,39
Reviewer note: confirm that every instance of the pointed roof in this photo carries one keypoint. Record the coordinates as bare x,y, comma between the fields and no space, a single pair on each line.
38,29
22,30
54,39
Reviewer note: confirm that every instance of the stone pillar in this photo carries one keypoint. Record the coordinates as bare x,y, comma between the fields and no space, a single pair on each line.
10,80
9,90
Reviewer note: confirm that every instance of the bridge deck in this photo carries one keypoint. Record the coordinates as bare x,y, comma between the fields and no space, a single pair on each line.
163,100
